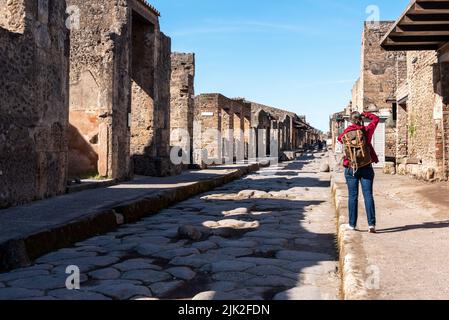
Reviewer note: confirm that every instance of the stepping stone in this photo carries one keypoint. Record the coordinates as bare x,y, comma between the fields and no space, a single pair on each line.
182,273
162,289
19,293
302,293
147,276
105,274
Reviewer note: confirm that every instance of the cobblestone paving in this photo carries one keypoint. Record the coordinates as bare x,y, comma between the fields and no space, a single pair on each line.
267,236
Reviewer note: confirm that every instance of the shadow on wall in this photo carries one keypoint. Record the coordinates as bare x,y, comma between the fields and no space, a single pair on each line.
83,159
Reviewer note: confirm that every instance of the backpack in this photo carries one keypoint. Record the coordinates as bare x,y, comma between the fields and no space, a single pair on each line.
357,149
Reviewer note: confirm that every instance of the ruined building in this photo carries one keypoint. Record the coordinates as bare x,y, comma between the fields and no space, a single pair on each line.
376,86
219,122
182,102
230,129
422,96
119,91
34,100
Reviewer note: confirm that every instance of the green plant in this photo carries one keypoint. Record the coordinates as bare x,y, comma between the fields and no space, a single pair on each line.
412,130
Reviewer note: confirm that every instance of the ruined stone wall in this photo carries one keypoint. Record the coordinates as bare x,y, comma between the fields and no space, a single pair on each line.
100,89
34,100
182,98
379,79
208,126
150,124
424,107
443,138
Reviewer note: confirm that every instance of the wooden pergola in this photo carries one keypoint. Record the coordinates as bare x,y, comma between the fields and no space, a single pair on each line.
423,26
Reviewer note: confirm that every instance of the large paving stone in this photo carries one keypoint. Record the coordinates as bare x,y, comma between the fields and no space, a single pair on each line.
147,276
142,239
199,260
271,281
58,256
205,245
163,289
105,274
237,243
182,273
303,256
41,282
233,252
232,276
264,261
122,291
302,293
223,286
229,266
181,252
148,249
268,270
19,293
136,264
270,234
64,294
87,264
6,277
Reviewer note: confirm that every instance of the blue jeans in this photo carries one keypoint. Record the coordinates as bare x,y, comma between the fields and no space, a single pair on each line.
364,176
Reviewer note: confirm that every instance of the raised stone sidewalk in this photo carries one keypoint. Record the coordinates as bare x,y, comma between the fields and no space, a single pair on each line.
27,232
407,258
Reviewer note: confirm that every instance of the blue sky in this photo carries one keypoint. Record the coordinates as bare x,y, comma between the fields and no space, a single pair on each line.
299,55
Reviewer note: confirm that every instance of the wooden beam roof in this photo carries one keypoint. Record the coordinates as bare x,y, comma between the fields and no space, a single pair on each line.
423,26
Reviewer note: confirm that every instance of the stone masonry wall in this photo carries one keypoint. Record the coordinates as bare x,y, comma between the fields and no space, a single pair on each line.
379,79
100,89
182,98
34,100
424,108
150,124
207,125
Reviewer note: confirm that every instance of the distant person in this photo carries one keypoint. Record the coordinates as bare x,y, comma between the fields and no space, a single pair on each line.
358,160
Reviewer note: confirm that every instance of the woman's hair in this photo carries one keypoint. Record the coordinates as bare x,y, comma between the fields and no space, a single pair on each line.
356,118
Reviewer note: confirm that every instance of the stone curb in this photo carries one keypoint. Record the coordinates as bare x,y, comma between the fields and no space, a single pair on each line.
21,252
351,253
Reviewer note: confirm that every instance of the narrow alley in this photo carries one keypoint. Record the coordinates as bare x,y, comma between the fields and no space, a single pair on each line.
269,235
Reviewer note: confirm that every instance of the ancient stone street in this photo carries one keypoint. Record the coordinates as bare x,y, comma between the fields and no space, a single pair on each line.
269,235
